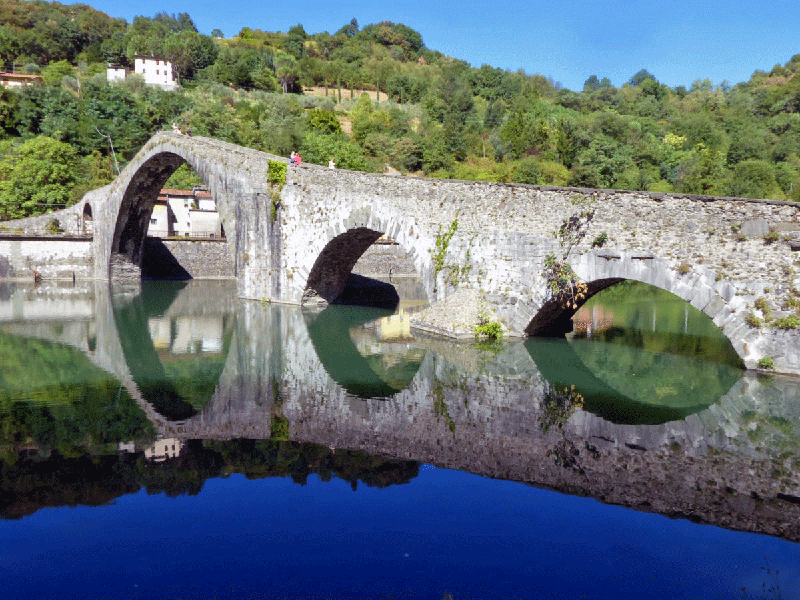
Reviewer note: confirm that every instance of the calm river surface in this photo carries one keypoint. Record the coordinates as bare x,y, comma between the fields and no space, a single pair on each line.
181,443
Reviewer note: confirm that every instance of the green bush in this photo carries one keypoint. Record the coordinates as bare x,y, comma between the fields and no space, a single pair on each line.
487,330
53,226
766,363
761,304
527,170
277,173
319,149
790,322
600,240
753,321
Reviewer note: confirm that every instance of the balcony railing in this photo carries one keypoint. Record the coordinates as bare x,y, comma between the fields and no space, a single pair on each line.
164,234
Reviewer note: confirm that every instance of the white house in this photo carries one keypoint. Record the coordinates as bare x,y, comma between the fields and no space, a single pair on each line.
180,336
116,73
164,449
156,71
185,213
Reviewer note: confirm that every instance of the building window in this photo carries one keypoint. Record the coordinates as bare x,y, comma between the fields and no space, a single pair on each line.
153,221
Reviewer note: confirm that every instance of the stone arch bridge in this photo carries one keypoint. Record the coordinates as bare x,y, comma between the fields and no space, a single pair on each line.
297,241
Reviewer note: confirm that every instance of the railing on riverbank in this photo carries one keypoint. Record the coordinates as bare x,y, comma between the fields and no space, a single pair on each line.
193,235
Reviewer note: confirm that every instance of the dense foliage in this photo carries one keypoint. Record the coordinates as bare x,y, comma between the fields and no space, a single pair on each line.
53,396
425,113
40,476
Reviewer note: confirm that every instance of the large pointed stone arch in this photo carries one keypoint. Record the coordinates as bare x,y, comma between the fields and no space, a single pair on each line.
233,175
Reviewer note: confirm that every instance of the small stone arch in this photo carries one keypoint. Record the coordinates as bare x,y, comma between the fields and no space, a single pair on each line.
349,239
697,285
87,219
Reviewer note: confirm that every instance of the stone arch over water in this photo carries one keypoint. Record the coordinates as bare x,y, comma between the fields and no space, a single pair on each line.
346,240
700,287
276,237
139,198
121,228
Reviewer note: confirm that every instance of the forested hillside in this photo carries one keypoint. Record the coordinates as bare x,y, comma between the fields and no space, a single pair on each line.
423,113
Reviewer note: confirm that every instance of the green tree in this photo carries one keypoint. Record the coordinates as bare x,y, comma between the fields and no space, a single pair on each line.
754,179
114,112
361,118
55,72
36,177
702,171
323,121
9,104
319,148
591,84
295,41
287,71
640,77
450,103
189,52
350,29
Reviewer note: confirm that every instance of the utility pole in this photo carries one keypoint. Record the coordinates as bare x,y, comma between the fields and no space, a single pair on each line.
111,145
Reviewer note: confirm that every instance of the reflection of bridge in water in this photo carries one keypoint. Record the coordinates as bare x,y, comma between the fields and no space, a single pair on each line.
499,415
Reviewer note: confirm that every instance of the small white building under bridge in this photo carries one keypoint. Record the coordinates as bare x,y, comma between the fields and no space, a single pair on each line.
185,213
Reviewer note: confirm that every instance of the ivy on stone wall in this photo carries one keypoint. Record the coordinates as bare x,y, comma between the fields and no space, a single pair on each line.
442,242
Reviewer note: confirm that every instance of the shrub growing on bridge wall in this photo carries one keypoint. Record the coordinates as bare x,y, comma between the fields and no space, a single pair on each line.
562,281
276,175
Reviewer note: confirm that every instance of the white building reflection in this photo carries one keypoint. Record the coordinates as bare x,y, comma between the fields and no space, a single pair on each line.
163,450
187,335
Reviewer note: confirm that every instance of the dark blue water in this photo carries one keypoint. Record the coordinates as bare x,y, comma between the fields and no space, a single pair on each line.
83,521
445,532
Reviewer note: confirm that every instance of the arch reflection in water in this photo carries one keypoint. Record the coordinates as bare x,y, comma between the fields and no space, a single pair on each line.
639,354
175,340
493,414
368,351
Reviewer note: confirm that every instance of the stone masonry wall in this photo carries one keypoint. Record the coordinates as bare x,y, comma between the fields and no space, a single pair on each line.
202,258
720,254
725,235
53,257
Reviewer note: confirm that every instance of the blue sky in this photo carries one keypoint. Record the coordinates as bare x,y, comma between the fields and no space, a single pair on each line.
568,40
